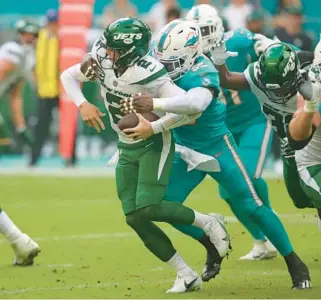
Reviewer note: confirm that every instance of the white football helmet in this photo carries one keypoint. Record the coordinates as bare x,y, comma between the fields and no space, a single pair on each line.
177,47
210,23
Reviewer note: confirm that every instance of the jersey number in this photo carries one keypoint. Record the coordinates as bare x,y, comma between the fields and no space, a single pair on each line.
279,122
230,96
114,111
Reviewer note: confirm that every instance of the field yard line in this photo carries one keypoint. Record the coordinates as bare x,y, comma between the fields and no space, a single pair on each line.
292,218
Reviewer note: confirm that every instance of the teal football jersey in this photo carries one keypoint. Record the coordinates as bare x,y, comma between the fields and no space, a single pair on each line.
211,124
243,108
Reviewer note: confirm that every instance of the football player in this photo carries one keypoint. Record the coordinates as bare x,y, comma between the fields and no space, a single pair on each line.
144,166
17,60
215,151
244,118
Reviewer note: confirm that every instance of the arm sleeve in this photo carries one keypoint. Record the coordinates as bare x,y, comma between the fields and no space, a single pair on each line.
70,79
194,101
170,121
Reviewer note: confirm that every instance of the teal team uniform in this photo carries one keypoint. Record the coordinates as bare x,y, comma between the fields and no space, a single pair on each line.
210,136
244,118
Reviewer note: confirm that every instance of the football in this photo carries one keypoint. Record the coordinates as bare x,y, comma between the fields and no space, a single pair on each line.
131,120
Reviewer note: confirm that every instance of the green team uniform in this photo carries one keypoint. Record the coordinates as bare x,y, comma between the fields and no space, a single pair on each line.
143,170
280,116
308,161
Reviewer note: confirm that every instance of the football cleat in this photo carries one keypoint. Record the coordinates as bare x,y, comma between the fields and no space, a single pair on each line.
186,283
218,235
212,267
25,249
299,272
260,251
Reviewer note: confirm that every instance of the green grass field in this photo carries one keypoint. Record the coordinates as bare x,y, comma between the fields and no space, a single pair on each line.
89,252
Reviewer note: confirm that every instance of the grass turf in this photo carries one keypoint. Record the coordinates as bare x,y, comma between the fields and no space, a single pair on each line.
89,252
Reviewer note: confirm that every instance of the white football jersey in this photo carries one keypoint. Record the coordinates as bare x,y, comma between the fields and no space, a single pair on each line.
147,75
310,155
279,115
23,56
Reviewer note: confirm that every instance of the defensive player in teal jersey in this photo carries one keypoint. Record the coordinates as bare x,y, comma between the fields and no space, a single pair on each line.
207,147
244,118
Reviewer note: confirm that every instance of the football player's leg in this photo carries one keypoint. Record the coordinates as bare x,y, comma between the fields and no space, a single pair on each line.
310,179
141,184
153,178
180,185
254,146
25,249
5,140
245,202
293,186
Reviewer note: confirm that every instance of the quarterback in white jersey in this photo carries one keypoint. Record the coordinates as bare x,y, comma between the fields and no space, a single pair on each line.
121,60
16,62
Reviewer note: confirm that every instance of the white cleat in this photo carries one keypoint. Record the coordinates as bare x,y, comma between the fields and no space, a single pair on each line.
261,251
319,225
218,235
25,249
186,283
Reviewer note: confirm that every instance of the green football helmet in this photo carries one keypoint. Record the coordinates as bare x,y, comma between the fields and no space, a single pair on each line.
25,26
278,72
129,37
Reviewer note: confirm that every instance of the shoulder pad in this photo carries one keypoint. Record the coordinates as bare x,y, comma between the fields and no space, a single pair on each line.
146,70
202,74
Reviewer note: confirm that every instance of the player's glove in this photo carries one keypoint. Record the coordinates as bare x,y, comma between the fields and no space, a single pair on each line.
25,136
317,53
309,86
220,54
89,67
262,43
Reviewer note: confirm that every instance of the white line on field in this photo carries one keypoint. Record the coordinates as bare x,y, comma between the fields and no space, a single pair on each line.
293,219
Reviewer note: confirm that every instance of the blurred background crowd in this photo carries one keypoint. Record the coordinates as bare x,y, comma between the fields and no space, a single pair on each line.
294,21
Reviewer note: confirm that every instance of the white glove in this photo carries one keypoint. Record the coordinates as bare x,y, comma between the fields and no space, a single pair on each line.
317,53
262,43
220,54
310,89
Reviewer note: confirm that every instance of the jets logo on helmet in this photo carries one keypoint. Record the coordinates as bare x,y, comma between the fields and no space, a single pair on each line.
128,38
290,65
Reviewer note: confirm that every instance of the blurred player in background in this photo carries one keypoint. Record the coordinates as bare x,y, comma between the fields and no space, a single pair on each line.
17,61
244,118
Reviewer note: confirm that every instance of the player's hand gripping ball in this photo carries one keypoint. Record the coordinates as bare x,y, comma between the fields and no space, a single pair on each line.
139,103
89,67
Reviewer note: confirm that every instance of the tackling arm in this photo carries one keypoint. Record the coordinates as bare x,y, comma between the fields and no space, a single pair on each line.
232,80
194,101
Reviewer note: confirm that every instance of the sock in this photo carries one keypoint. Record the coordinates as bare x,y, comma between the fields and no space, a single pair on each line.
8,228
179,265
200,220
190,230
